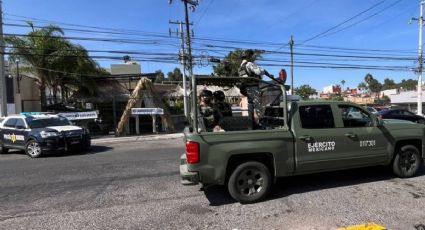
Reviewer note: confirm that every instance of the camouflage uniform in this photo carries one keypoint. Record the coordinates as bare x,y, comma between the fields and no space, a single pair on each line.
209,116
224,108
250,69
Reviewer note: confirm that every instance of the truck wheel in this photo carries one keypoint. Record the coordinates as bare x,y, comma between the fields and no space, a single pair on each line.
250,182
33,149
407,162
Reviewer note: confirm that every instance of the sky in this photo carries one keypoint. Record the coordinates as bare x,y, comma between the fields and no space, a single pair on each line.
353,32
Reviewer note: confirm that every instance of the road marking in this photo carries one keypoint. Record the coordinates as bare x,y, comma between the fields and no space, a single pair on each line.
368,226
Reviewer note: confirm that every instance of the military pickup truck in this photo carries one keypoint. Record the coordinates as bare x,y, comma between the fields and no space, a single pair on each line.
293,138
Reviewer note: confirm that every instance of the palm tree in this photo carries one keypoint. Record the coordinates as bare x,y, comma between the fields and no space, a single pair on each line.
53,60
36,48
75,69
343,89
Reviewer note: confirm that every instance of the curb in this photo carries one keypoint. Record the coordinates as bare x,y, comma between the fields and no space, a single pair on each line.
137,138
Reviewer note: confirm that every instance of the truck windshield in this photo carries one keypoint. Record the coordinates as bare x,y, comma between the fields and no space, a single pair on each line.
46,122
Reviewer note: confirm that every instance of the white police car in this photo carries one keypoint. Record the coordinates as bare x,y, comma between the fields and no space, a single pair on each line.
38,134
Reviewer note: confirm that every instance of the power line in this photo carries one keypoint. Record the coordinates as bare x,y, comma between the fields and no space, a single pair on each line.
203,14
342,23
198,40
367,18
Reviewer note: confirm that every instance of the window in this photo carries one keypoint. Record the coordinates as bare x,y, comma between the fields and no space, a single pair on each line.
354,117
395,112
45,122
408,113
19,123
316,117
10,123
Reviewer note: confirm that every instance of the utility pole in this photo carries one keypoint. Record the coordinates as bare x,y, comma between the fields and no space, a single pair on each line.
194,106
420,58
193,4
3,96
291,46
183,58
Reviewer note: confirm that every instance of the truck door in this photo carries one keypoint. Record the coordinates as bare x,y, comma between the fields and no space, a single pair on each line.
363,141
319,144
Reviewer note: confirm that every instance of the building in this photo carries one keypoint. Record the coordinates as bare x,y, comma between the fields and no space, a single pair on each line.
406,99
332,89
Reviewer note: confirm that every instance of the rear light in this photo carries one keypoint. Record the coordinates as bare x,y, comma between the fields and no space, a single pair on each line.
192,152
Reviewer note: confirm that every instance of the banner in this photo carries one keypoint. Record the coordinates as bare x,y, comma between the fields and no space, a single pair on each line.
72,116
147,111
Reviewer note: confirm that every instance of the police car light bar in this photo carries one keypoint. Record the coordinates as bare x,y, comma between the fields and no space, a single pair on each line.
36,113
30,113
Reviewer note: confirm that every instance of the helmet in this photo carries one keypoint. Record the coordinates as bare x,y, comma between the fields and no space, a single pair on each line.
219,95
247,53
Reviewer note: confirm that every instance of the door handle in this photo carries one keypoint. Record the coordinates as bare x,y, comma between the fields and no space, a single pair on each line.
350,135
305,138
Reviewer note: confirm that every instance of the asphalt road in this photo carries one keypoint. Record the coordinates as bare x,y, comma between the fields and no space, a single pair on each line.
135,185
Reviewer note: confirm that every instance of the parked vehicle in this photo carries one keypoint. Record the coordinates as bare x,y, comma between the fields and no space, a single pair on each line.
371,109
293,138
39,134
402,115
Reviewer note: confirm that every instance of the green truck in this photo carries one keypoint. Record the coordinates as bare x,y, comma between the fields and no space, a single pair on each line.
295,137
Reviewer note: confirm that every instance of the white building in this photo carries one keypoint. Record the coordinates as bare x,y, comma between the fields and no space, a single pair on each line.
407,99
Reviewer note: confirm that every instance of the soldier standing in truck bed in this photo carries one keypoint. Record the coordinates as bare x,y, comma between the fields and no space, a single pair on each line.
249,69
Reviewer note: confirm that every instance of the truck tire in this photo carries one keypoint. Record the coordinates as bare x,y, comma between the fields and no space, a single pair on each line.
33,149
407,161
250,182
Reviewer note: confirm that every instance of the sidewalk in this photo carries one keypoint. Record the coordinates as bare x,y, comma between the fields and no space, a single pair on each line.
113,139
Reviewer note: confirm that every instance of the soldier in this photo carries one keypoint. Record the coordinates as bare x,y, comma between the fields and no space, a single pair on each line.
249,69
221,105
209,114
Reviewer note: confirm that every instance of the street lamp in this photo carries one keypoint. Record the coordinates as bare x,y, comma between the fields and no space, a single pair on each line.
18,77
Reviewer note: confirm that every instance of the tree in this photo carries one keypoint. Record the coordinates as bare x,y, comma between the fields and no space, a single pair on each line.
389,84
159,76
373,84
305,91
176,75
386,100
408,84
335,97
362,85
53,60
343,89
71,66
37,49
232,62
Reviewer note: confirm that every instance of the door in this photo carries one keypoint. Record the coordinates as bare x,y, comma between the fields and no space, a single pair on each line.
319,144
8,132
20,131
364,142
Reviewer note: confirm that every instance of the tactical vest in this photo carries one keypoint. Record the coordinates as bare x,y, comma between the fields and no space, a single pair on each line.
243,71
208,114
